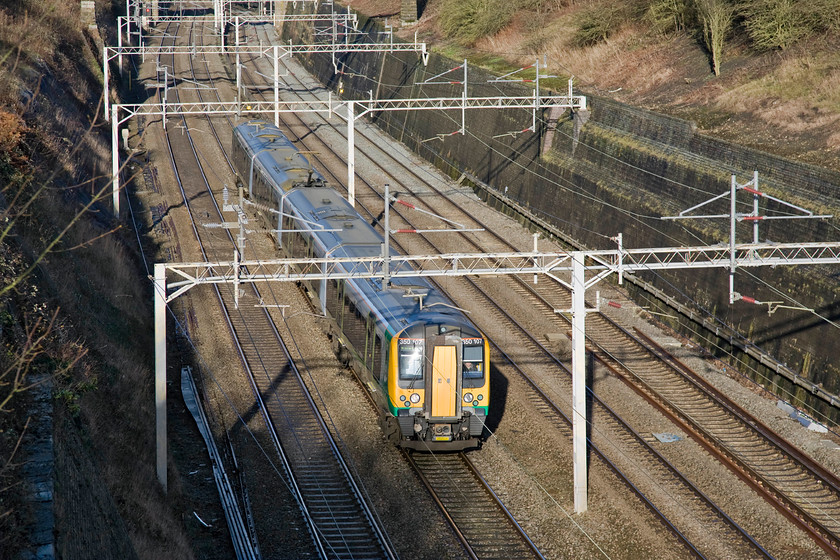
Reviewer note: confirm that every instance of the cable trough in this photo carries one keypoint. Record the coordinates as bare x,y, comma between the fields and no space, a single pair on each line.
242,544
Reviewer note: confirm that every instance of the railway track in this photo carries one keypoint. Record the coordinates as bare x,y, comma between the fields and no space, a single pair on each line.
804,491
339,520
820,502
801,489
484,525
709,511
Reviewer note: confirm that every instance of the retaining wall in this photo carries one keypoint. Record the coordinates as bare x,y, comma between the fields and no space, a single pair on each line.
627,169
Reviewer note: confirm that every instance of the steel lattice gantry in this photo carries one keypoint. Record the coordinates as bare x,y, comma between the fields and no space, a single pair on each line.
328,107
584,269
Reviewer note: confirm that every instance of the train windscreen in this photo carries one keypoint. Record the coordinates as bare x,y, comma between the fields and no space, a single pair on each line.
473,362
411,359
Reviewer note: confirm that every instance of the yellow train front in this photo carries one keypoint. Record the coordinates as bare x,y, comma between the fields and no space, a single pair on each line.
420,357
438,385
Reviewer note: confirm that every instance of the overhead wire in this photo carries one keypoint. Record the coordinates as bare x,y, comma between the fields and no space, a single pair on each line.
609,155
630,214
212,240
638,217
305,370
659,230
563,509
570,187
566,513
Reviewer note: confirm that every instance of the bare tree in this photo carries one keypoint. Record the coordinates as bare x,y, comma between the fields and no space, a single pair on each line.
717,17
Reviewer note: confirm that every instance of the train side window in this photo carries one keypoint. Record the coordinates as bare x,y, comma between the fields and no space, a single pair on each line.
332,297
288,238
299,246
369,336
340,304
379,371
317,286
354,326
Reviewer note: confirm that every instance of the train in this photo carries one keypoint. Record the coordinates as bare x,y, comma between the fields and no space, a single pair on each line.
425,363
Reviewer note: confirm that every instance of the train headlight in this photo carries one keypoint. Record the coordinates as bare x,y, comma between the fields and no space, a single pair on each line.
468,397
475,403
402,397
481,397
415,398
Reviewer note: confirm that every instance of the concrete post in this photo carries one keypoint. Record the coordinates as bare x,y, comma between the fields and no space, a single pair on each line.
408,11
579,420
115,160
88,13
351,153
160,372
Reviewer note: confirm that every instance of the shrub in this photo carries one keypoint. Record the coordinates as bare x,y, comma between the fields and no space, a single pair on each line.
779,24
600,21
824,15
11,131
470,20
668,16
544,6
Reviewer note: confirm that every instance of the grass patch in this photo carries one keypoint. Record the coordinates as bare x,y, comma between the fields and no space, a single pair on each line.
705,117
807,79
500,66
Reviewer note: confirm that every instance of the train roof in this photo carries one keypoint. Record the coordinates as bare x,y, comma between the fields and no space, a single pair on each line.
274,152
341,232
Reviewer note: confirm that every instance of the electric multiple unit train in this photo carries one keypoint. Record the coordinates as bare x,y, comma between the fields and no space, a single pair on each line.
424,362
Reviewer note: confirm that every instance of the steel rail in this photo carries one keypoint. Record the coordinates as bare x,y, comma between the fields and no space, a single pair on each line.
461,492
793,507
327,544
245,546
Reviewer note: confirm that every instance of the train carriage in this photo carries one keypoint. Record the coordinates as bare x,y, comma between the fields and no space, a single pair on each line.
425,363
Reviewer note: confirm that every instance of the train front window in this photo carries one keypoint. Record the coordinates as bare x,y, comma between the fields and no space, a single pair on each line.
411,360
473,362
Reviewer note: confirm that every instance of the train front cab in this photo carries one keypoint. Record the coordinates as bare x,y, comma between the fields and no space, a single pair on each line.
439,388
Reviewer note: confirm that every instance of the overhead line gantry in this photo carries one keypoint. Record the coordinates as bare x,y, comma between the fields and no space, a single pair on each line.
581,276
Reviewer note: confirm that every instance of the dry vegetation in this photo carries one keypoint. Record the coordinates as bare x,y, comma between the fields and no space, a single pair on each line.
775,91
71,305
